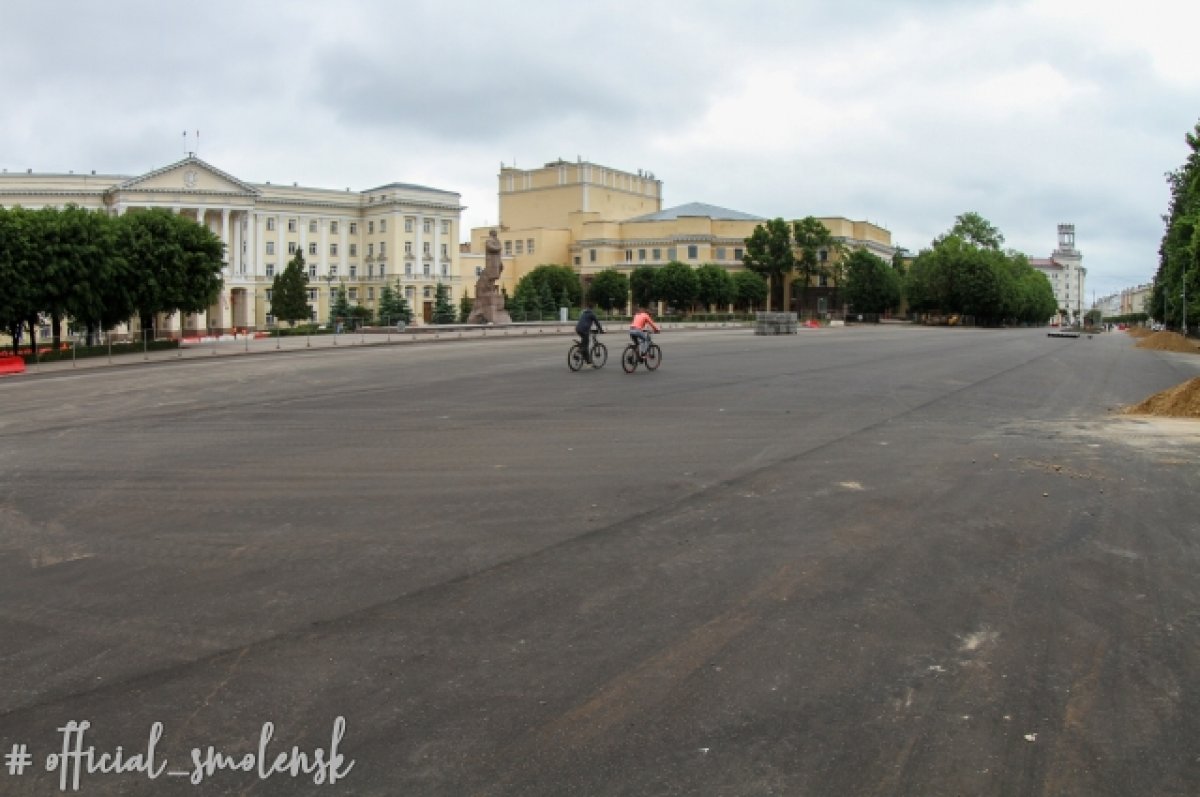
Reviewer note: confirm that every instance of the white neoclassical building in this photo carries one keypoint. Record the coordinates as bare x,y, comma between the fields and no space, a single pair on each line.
401,235
1064,268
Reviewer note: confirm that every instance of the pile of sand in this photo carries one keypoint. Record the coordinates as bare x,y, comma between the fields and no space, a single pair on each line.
1181,401
1168,341
1139,332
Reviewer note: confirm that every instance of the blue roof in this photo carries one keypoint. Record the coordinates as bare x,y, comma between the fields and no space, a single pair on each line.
698,209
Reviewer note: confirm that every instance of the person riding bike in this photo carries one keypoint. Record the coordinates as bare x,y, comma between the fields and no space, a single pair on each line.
584,329
637,329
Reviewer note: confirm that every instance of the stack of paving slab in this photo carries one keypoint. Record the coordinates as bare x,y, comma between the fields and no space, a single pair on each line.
775,324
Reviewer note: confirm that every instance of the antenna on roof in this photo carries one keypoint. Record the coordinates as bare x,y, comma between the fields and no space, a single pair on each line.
197,143
185,149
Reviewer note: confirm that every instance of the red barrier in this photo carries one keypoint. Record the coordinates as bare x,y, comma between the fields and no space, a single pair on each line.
12,365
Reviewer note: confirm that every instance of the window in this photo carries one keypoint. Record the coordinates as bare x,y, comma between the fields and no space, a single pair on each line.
628,255
671,253
508,248
720,253
382,248
269,293
312,271
270,247
520,247
737,253
353,271
445,270
656,255
333,228
408,223
312,294
426,225
445,226
408,247
370,250
312,226
693,251
270,223
425,246
382,270
353,294
291,225
370,228
333,250
822,280
383,225
353,250
641,255
425,270
408,269
428,292
591,255
822,255
291,247
333,271
312,248
370,271
529,246
270,320
445,251
270,271
370,294
354,228
577,260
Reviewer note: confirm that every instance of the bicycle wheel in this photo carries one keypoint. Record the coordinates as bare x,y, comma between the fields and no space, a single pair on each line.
653,357
629,359
599,354
575,357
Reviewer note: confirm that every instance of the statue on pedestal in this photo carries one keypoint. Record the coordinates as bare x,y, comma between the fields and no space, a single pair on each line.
489,302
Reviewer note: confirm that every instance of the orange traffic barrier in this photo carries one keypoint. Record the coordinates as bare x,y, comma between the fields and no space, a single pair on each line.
12,365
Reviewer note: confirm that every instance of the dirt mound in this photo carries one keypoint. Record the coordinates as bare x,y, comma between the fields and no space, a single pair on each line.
1168,341
1139,332
1181,401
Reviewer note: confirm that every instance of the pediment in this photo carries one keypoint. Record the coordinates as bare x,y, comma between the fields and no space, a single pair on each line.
190,175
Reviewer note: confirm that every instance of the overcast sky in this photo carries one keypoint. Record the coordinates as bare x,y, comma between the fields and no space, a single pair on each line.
905,114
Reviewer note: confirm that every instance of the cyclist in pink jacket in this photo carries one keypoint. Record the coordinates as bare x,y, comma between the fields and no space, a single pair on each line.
637,329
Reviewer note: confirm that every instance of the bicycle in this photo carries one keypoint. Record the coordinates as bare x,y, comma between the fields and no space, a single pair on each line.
631,356
575,359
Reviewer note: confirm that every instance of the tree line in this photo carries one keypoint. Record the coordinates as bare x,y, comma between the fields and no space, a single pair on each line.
1176,286
99,270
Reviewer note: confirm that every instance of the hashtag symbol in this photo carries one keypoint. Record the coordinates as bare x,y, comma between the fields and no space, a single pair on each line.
18,759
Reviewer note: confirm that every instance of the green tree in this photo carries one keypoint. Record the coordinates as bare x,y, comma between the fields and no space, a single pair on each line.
715,287
393,307
557,279
769,253
610,290
643,286
816,252
465,306
545,301
976,230
677,285
443,310
872,285
177,262
749,290
289,292
1179,251
20,272
339,308
102,295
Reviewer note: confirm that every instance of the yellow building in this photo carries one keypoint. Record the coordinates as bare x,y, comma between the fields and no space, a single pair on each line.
596,218
401,235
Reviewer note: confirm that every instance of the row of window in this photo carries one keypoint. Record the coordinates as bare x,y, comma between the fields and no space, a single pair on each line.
426,270
427,249
693,253
519,248
351,294
409,225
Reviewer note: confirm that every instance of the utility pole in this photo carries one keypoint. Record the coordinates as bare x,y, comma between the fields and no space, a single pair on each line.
1184,293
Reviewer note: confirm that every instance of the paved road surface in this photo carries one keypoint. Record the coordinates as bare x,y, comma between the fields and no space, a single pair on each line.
866,561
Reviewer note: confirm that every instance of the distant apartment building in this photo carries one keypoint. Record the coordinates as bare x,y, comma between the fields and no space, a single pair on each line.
1064,268
596,218
401,235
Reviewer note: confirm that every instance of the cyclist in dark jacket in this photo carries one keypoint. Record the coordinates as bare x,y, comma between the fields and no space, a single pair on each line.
584,329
